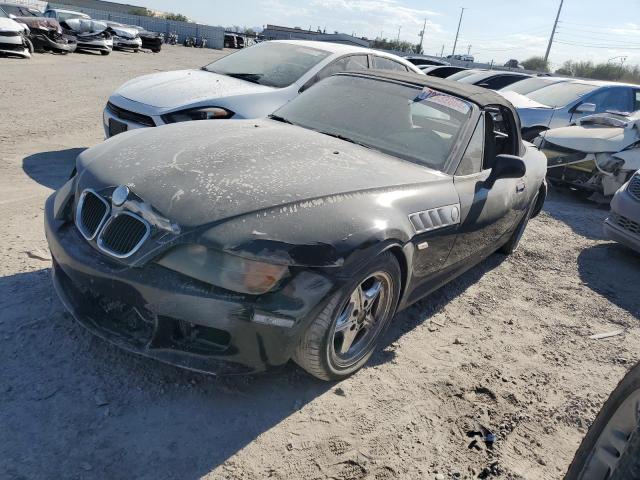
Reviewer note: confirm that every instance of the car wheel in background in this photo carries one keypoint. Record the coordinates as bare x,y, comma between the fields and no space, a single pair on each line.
104,52
611,448
346,332
29,45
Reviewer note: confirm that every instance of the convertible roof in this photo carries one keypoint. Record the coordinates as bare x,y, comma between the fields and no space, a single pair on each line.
478,95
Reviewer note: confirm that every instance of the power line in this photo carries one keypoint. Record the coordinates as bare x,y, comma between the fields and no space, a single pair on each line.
611,47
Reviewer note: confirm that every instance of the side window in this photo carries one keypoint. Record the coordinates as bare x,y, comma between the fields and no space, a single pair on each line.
472,159
613,99
636,100
382,63
500,135
344,64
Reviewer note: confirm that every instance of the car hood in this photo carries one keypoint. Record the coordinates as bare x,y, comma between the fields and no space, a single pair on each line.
82,26
184,87
521,101
592,138
10,25
197,173
41,23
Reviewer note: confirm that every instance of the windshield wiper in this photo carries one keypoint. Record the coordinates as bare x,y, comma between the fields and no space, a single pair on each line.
278,118
342,137
249,77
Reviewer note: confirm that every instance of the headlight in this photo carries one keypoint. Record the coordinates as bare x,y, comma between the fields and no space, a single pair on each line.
202,113
223,270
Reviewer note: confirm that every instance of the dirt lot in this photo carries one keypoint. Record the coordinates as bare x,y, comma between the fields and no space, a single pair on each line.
505,347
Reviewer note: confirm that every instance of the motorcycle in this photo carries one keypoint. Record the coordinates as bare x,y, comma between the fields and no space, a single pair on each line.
596,155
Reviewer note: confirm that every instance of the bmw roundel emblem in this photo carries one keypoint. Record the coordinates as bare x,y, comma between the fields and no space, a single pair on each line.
119,195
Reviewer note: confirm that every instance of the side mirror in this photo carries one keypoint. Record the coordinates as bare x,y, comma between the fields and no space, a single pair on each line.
12,16
506,166
585,108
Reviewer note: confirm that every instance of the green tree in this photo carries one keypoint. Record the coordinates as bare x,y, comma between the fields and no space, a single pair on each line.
178,17
538,64
143,12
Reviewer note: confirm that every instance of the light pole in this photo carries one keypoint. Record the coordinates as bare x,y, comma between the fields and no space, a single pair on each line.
462,9
553,32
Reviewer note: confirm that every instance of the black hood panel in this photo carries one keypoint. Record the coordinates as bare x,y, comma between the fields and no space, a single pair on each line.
196,173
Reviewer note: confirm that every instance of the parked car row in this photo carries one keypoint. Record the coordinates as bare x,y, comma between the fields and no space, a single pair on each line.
65,31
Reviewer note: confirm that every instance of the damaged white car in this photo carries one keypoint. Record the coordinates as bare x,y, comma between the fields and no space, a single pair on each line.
91,34
597,155
13,37
124,38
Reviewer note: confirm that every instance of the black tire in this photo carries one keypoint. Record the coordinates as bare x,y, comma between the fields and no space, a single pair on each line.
513,242
104,52
628,460
530,134
29,45
314,350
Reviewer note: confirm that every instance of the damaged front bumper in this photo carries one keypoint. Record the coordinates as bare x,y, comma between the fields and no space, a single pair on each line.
158,313
95,42
127,43
13,43
53,41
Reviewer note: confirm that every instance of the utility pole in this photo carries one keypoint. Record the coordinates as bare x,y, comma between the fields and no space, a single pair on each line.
469,50
424,27
442,52
553,32
462,9
399,28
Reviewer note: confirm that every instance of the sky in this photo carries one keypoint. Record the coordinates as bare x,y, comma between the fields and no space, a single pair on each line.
598,30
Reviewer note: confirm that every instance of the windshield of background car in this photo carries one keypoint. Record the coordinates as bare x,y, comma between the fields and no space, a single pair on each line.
269,63
527,85
64,16
414,123
462,74
3,14
560,94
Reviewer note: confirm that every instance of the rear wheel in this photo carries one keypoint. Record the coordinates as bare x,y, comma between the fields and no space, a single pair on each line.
104,52
343,336
611,448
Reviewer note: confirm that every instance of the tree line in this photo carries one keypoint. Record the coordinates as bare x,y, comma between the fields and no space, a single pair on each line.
588,69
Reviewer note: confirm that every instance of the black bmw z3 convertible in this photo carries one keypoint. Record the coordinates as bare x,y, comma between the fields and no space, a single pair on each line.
236,246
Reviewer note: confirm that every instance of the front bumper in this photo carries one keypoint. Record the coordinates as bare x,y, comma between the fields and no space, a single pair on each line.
14,45
101,45
161,314
623,224
133,43
62,43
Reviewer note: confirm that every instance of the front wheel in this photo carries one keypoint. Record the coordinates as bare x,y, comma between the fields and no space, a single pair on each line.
611,448
104,52
346,332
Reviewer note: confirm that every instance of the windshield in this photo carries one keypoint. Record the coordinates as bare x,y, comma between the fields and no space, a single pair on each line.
64,16
269,63
528,85
560,94
462,74
3,14
416,124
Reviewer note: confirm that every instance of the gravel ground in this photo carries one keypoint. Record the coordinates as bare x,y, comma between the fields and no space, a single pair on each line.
504,349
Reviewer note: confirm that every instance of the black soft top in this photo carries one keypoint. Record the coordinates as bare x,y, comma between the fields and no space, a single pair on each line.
478,95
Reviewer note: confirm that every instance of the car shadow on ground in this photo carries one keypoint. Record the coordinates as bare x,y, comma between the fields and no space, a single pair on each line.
613,271
73,406
583,216
423,310
51,169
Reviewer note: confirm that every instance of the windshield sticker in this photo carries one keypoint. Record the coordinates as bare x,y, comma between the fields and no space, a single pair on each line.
433,96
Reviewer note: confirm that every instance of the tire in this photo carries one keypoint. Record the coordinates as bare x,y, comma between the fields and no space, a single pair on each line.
626,454
316,350
104,52
530,134
513,242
